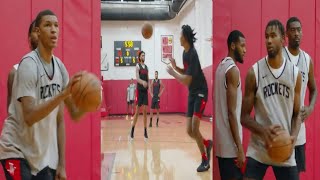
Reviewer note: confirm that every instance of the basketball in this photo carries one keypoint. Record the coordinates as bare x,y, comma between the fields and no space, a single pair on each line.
147,30
281,147
86,93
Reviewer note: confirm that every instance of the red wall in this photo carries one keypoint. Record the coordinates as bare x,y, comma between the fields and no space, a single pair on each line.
173,99
79,48
251,17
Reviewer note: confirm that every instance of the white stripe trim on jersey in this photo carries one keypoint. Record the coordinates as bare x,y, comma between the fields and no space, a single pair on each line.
225,78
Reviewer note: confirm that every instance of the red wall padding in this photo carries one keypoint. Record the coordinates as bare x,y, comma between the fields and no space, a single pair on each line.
251,17
208,111
79,49
173,99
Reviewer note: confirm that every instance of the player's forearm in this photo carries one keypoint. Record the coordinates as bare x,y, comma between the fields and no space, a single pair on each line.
234,130
312,98
140,81
40,111
74,112
182,79
179,70
252,125
61,142
295,125
161,92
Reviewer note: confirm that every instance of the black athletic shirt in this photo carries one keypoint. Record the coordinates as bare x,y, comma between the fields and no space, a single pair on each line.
156,87
143,75
192,68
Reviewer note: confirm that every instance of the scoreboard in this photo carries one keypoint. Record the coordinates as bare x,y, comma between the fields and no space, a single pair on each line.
126,53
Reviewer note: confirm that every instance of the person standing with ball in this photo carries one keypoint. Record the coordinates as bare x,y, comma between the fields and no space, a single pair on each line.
273,88
32,142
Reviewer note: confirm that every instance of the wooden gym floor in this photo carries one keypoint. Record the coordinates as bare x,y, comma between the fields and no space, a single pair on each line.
168,154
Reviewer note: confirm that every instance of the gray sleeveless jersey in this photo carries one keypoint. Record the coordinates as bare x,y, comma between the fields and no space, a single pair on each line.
38,143
303,65
273,104
225,146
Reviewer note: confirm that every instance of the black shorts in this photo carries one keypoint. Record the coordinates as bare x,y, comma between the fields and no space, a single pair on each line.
17,168
142,97
300,154
130,102
196,104
228,169
155,104
257,170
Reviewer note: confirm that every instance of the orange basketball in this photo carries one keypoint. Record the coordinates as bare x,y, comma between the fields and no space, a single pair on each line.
86,93
147,30
281,148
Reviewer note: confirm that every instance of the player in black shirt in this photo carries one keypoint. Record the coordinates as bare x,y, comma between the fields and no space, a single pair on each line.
192,76
156,90
142,93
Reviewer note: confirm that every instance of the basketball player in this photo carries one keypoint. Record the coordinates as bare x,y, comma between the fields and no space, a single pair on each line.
130,98
228,99
304,62
33,43
155,92
192,76
273,88
142,93
32,143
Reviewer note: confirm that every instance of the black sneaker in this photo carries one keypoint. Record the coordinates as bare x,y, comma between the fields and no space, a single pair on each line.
208,149
132,132
145,134
204,166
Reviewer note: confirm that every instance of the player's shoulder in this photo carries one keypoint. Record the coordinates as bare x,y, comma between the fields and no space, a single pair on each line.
29,60
30,55
58,60
258,62
306,55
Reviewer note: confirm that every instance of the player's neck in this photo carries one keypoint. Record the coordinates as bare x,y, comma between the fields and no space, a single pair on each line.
276,61
230,54
45,54
294,50
186,47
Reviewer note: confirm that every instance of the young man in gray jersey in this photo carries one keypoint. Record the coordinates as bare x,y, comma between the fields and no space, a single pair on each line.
32,142
130,98
228,99
156,90
304,62
33,43
273,88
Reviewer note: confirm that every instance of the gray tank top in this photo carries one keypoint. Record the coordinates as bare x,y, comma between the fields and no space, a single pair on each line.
303,66
273,104
225,146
